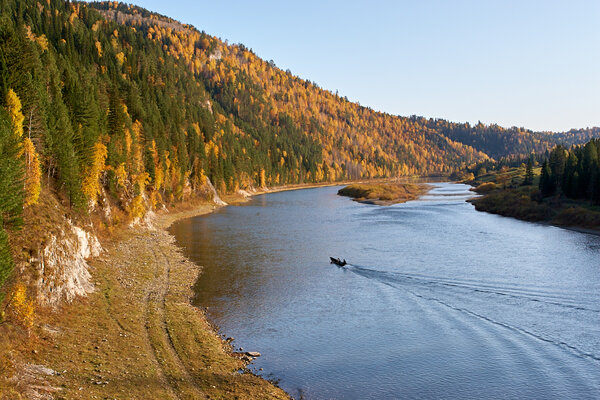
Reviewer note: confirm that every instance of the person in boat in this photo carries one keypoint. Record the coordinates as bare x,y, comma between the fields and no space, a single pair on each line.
338,261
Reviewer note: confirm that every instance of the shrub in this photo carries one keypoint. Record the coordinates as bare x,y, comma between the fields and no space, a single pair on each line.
485,187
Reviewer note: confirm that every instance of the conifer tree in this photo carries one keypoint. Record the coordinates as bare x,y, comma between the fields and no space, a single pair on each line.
529,171
11,190
11,171
546,182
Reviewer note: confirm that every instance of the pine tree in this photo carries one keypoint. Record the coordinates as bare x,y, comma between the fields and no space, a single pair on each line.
557,162
588,167
11,190
547,186
11,173
570,181
529,171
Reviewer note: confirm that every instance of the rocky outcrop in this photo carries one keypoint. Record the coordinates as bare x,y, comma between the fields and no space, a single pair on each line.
213,192
63,270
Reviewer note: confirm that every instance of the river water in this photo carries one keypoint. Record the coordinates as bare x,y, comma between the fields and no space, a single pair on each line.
438,300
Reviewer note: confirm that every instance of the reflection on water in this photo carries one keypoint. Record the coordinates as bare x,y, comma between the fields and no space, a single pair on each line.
439,301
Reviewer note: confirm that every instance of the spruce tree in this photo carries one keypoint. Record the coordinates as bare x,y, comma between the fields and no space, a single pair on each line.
11,191
529,172
546,182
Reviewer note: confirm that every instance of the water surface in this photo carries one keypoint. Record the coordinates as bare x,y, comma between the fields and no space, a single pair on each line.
439,300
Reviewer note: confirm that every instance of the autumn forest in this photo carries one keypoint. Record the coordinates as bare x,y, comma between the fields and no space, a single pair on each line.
109,104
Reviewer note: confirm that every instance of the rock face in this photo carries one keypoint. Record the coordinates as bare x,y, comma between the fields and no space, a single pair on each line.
244,193
215,196
63,270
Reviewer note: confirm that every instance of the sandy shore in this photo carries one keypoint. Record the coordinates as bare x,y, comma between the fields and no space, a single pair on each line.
137,336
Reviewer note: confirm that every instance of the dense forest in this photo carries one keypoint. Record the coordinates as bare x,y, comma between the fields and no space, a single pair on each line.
573,173
107,103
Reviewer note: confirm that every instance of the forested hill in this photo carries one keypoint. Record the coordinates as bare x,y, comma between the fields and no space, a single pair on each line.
110,110
172,104
224,66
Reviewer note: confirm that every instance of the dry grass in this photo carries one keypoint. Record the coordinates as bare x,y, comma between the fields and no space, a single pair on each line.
136,337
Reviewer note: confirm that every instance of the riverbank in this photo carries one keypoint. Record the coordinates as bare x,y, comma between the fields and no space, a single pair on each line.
137,332
384,193
136,335
525,203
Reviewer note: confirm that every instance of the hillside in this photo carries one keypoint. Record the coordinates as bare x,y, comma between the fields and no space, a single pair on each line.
116,111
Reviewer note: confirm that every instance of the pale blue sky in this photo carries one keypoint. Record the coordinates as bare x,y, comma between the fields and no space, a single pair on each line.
524,63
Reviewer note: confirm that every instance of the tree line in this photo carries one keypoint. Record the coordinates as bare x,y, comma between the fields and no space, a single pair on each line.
574,172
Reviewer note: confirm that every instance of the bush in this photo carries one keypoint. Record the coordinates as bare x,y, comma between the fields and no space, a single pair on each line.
513,204
486,187
578,216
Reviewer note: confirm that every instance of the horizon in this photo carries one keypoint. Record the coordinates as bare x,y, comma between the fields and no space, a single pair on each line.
519,79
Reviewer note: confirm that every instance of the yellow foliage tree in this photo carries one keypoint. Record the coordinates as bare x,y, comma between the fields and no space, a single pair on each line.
13,105
121,176
33,173
120,58
137,208
91,181
137,148
21,307
263,182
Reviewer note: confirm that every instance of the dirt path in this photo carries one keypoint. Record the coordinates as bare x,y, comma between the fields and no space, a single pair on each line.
137,336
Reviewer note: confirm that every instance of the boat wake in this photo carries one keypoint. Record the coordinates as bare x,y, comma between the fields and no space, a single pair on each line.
509,305
533,295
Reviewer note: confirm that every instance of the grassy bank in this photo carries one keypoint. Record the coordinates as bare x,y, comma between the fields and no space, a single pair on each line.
510,198
136,336
384,193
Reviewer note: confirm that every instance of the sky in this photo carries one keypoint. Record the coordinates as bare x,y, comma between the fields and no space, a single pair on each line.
533,64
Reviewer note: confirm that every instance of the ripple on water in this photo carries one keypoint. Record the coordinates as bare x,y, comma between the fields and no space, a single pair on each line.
440,301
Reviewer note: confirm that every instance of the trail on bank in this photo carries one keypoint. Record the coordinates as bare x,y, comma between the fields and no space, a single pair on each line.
137,336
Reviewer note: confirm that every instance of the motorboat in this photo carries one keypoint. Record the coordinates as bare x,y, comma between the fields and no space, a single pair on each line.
337,261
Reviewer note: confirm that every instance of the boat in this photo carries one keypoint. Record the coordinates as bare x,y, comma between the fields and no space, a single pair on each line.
337,261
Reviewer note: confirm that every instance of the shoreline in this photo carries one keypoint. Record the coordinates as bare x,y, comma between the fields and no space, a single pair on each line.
237,198
138,332
137,335
527,210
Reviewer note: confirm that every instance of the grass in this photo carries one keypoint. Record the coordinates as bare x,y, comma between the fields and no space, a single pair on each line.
384,193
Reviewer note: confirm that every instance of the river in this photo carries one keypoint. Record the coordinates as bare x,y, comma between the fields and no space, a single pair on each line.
437,301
